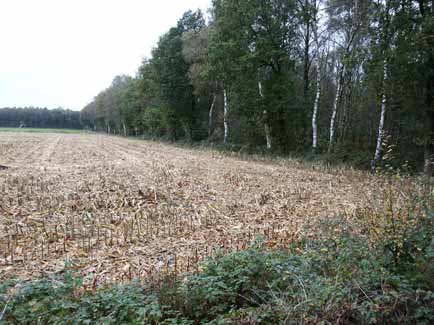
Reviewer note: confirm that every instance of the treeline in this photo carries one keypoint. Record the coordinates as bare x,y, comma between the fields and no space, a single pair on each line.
350,79
39,118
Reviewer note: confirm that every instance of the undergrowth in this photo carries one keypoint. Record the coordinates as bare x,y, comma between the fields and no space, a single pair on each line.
378,268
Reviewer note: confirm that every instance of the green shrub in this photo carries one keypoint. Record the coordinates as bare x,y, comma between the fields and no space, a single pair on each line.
154,121
61,300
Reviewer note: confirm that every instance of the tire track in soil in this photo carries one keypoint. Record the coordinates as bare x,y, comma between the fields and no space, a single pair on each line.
48,150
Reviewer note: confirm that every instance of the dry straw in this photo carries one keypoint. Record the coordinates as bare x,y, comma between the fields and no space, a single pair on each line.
120,209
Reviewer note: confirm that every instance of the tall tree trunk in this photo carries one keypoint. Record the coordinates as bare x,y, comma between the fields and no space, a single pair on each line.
225,116
382,117
429,100
306,63
125,128
429,144
341,75
304,123
265,118
347,104
339,81
318,92
210,115
315,111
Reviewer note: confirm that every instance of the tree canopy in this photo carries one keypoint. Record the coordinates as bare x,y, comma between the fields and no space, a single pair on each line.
349,79
39,118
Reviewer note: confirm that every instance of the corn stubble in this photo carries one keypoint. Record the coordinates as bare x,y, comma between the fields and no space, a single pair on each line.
119,209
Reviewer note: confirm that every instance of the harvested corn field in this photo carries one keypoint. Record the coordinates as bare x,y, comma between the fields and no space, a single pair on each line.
118,209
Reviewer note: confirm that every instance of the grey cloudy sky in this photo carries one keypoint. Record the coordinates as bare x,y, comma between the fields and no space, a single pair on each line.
63,52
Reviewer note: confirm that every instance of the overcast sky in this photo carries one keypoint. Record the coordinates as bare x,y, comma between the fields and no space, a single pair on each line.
63,52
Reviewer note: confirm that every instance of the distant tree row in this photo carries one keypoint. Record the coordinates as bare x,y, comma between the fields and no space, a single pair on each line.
349,78
39,118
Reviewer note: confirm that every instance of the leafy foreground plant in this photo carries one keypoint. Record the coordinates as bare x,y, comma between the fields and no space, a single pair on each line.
339,276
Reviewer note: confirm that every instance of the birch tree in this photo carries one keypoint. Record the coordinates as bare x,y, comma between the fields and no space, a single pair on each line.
339,77
318,79
347,20
316,106
195,52
384,39
265,118
225,116
210,115
382,118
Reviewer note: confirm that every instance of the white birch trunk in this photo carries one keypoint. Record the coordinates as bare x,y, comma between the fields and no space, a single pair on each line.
429,163
315,110
382,117
340,77
261,91
211,112
318,94
225,117
335,105
125,128
265,113
267,134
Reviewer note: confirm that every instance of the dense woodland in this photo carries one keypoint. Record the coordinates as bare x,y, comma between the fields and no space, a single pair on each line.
349,79
39,118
